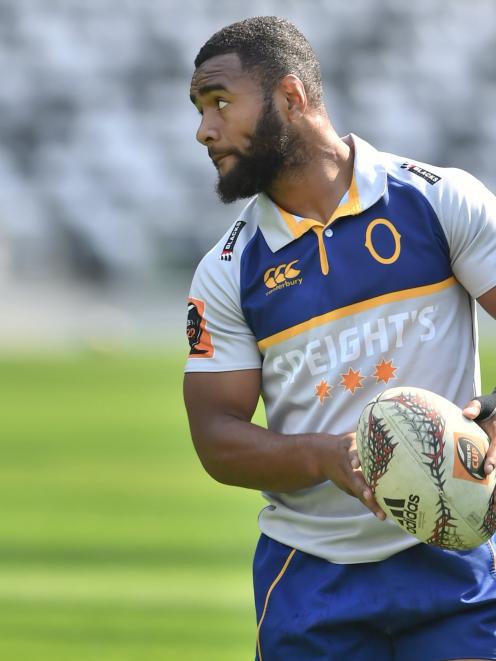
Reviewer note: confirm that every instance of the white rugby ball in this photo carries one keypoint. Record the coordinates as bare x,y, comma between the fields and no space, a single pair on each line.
425,464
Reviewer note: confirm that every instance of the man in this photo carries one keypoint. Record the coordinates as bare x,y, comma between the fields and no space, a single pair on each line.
349,271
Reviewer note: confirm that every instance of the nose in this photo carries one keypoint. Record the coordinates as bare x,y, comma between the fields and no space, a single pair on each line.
207,131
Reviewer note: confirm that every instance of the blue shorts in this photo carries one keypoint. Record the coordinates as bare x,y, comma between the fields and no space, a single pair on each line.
423,604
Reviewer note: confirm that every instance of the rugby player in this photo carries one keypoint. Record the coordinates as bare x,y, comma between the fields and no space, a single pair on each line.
349,270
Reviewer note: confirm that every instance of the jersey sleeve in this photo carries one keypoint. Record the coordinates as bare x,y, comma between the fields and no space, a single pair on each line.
468,217
219,338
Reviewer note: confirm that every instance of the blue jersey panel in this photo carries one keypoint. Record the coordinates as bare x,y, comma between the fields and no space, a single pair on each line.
396,244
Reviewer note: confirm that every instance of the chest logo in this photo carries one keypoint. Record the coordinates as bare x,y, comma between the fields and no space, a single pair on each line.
369,244
284,275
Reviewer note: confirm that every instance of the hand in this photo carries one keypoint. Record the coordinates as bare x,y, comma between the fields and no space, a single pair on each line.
472,410
343,468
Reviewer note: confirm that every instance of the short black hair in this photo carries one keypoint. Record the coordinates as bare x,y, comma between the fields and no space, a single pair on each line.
271,47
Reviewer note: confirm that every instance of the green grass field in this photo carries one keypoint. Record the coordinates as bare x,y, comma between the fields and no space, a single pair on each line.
115,545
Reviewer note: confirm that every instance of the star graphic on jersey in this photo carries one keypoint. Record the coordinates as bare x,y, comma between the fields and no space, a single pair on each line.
384,371
352,380
323,390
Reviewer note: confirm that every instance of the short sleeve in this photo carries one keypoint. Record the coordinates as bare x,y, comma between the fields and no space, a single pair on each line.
468,217
219,338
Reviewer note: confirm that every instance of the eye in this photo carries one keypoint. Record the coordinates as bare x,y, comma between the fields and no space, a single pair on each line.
221,104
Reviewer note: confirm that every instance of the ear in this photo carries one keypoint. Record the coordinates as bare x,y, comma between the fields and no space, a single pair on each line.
293,97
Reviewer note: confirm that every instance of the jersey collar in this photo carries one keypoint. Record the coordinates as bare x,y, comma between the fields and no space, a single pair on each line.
368,185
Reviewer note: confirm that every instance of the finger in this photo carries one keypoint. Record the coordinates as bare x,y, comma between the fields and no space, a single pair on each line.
487,407
472,409
372,504
355,462
490,460
364,493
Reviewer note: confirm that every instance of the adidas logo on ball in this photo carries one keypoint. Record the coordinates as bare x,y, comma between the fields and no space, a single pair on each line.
405,511
424,461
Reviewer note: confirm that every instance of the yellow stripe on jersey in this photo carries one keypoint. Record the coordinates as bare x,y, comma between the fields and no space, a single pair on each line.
300,227
297,227
355,308
324,262
351,207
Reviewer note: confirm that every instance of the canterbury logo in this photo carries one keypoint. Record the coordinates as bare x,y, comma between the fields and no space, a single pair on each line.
278,275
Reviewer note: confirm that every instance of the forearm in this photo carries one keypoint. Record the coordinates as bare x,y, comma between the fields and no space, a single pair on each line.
239,453
235,451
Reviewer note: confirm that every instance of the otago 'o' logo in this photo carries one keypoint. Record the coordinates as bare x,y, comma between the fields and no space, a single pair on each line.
276,275
370,245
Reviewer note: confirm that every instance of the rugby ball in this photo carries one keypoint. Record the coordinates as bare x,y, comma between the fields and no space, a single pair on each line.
425,464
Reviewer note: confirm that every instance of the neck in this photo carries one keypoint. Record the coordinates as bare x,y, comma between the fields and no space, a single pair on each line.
315,189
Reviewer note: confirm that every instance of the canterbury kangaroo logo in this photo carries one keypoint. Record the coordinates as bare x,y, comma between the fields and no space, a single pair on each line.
277,275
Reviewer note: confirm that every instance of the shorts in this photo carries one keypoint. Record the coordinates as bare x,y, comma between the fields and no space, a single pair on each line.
423,604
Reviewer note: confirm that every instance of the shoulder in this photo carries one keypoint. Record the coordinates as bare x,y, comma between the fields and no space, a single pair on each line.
233,242
221,264
219,337
447,189
466,212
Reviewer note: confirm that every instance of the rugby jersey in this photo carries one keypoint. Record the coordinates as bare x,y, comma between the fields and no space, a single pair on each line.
380,296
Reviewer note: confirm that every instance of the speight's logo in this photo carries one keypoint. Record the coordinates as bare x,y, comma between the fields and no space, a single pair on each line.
279,277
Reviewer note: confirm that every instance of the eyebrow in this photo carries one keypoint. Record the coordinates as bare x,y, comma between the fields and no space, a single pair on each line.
206,89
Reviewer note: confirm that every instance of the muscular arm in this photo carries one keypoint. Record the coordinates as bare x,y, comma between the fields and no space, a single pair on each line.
235,451
472,409
488,302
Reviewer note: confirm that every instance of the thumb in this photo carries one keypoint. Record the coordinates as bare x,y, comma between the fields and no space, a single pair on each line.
472,409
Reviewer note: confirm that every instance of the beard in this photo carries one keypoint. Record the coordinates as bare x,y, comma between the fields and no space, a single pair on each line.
274,149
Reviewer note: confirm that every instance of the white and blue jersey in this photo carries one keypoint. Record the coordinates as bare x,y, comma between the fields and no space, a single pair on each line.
382,295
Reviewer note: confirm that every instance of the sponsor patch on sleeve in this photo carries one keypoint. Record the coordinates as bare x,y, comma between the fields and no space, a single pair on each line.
226,254
200,341
430,177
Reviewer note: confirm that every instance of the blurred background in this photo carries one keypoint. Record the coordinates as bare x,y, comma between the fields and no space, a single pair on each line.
114,544
107,202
